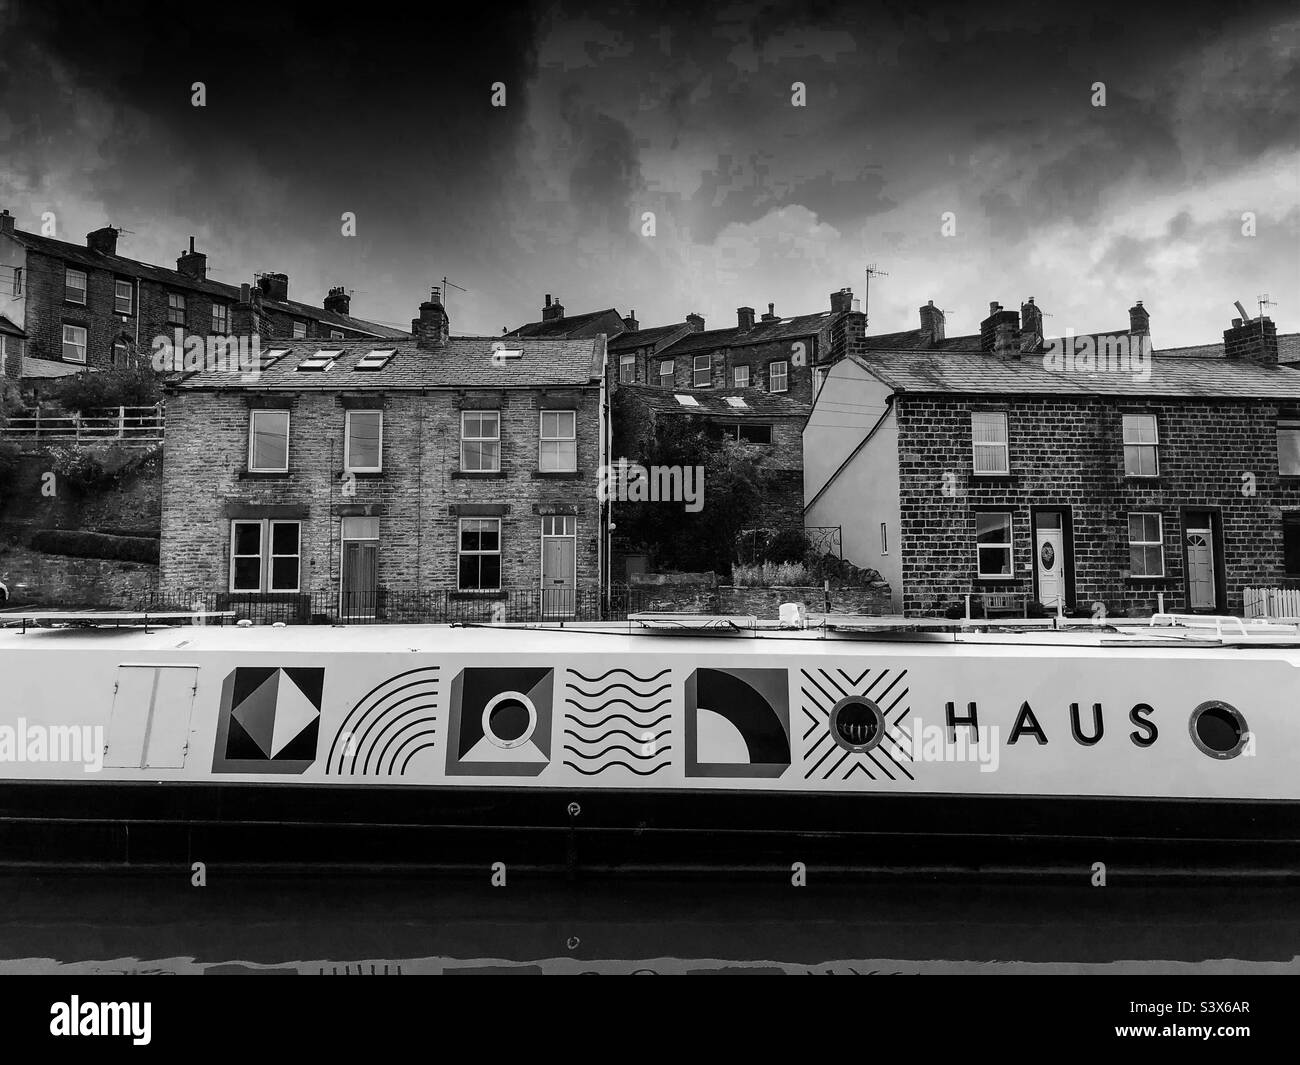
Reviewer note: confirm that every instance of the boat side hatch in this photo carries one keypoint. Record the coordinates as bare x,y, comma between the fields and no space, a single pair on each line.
150,726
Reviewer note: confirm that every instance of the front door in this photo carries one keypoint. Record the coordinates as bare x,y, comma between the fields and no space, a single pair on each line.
559,571
1200,569
360,583
1049,558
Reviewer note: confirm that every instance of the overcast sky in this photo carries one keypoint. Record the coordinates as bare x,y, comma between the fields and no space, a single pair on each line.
613,110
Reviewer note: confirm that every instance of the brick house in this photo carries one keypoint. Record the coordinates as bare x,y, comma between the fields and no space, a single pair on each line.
89,307
979,464
555,324
360,473
13,343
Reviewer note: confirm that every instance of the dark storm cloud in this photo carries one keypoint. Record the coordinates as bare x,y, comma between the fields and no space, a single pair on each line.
620,108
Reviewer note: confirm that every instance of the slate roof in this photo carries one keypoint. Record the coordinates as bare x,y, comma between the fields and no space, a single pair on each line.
712,402
559,327
1190,376
462,362
802,325
10,328
643,338
83,256
48,368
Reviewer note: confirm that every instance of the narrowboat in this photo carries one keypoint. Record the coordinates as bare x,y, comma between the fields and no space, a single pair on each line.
661,741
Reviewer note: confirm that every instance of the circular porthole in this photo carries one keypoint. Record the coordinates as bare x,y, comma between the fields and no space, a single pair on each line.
857,724
1218,729
509,719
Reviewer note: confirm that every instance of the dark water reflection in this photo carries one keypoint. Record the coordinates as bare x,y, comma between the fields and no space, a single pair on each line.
362,925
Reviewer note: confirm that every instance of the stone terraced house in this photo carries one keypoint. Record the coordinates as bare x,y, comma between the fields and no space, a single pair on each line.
350,477
980,465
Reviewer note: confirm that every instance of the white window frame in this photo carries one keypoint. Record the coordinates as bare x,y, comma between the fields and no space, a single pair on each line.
884,538
117,297
85,339
266,559
627,369
735,376
1000,448
708,371
671,374
220,321
1288,425
1009,545
783,376
69,271
336,334
252,424
494,439
1153,445
559,449
461,552
299,330
1159,542
347,443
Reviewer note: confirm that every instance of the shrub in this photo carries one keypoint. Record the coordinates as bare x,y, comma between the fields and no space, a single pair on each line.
78,543
100,466
133,386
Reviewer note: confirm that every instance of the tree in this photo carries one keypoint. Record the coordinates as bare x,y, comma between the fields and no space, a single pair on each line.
731,495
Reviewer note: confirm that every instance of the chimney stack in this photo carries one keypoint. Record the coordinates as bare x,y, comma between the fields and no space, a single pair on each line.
745,319
431,327
1006,341
6,221
246,316
1139,321
552,310
338,301
771,315
842,300
696,322
193,264
931,324
274,286
630,322
1031,326
1253,338
103,241
989,330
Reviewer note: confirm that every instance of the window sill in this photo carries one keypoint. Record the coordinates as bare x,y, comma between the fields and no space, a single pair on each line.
477,595
1146,482
363,475
982,478
265,475
981,582
1289,480
475,475
558,475
1143,581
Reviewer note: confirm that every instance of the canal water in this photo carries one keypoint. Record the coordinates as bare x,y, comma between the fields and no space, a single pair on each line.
245,923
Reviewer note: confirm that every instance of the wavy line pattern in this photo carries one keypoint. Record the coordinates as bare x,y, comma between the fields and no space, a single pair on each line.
649,749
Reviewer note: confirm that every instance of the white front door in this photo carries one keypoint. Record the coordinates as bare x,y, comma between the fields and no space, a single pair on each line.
1049,557
559,569
1200,569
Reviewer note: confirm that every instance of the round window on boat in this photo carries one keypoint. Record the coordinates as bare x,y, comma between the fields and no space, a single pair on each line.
857,724
1218,729
509,719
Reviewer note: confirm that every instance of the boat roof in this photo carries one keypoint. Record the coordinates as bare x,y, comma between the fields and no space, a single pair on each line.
33,630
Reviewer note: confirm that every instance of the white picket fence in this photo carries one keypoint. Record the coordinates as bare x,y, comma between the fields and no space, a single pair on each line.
129,426
1271,602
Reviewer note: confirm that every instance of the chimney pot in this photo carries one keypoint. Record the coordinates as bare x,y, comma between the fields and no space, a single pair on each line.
338,301
431,328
